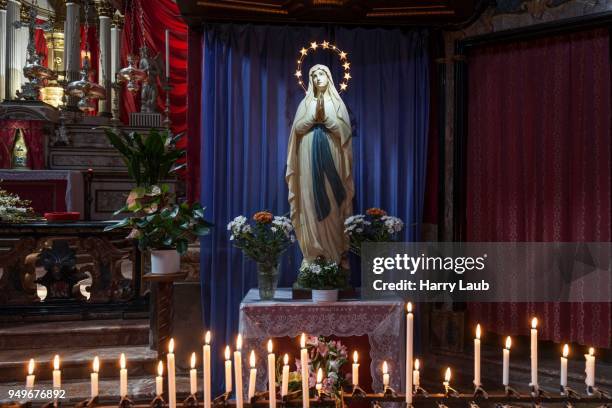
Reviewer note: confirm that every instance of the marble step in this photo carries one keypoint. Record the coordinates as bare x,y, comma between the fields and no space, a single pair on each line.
76,363
69,334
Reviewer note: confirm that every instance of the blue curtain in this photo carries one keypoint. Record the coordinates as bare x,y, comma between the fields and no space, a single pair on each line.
249,98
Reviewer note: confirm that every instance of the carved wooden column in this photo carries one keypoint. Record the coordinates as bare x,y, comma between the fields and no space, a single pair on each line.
162,309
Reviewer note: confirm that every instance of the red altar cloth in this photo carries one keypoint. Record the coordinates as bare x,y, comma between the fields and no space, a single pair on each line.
34,138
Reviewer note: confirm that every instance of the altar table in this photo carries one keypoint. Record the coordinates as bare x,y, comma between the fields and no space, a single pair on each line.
382,321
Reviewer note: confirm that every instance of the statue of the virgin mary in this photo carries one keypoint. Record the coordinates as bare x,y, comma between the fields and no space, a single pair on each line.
319,170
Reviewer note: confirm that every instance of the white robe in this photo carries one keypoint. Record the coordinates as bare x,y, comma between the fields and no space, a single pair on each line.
326,237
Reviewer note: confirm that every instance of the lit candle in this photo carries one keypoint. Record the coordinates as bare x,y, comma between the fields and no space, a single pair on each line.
228,370
564,366
123,378
167,53
534,352
319,385
238,371
57,374
206,370
304,362
506,362
193,376
416,376
31,376
171,375
409,351
252,376
94,377
159,380
590,368
385,371
285,379
477,382
447,378
271,375
355,368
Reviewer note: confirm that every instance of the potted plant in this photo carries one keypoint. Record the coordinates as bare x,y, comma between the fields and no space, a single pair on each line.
263,240
324,278
373,226
162,225
13,208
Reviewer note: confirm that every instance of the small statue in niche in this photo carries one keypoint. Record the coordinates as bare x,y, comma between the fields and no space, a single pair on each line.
153,67
20,151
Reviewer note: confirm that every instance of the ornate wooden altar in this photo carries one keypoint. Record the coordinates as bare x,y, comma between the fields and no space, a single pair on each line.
71,268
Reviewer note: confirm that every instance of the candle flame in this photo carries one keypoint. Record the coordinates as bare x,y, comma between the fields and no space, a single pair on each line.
286,359
207,337
355,357
252,359
56,362
508,342
122,361
31,367
270,346
319,375
171,346
534,323
193,360
227,352
478,331
96,364
303,340
565,351
447,375
385,368
409,307
591,351
417,365
160,369
239,342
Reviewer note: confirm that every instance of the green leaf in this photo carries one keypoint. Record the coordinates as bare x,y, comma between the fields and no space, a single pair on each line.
123,223
181,246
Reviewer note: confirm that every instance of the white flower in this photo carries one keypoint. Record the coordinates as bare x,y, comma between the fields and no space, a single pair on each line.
273,229
316,269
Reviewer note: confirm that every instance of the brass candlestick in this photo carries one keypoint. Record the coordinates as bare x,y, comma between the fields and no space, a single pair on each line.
91,402
221,400
480,392
158,402
190,402
125,402
358,392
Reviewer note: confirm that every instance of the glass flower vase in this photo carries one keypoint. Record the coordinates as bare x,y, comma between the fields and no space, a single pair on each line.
267,280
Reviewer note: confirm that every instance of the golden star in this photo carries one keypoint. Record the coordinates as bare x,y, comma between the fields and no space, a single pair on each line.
342,55
325,44
298,73
303,51
347,65
347,76
313,45
343,86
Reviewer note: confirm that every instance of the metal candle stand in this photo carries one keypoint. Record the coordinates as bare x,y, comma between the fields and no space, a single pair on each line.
91,402
167,88
158,402
190,402
420,391
125,402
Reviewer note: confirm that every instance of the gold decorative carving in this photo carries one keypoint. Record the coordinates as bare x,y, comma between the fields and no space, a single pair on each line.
118,20
104,8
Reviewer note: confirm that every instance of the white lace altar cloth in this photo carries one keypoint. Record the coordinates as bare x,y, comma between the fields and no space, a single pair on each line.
381,321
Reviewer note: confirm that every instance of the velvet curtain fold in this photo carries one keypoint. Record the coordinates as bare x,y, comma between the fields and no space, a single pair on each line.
249,97
34,139
539,165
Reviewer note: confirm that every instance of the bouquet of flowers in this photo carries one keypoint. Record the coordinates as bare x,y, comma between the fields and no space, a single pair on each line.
321,275
328,355
373,226
263,240
13,208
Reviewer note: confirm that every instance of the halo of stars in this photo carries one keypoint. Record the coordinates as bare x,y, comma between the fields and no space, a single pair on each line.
325,45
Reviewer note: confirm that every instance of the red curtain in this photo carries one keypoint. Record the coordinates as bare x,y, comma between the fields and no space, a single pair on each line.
539,164
33,136
41,44
159,15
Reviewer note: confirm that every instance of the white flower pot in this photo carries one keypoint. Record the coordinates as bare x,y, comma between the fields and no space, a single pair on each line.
323,296
165,261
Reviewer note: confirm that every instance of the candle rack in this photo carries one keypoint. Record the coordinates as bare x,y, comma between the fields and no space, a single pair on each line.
88,402
441,400
190,402
480,392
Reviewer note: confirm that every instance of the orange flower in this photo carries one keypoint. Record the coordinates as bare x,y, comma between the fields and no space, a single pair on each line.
376,212
263,217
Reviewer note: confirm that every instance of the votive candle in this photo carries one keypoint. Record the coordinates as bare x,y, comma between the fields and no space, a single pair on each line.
285,378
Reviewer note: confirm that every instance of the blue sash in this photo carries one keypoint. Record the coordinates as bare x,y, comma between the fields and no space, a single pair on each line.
323,166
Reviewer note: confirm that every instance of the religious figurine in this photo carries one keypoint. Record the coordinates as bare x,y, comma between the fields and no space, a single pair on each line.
20,151
319,170
148,93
